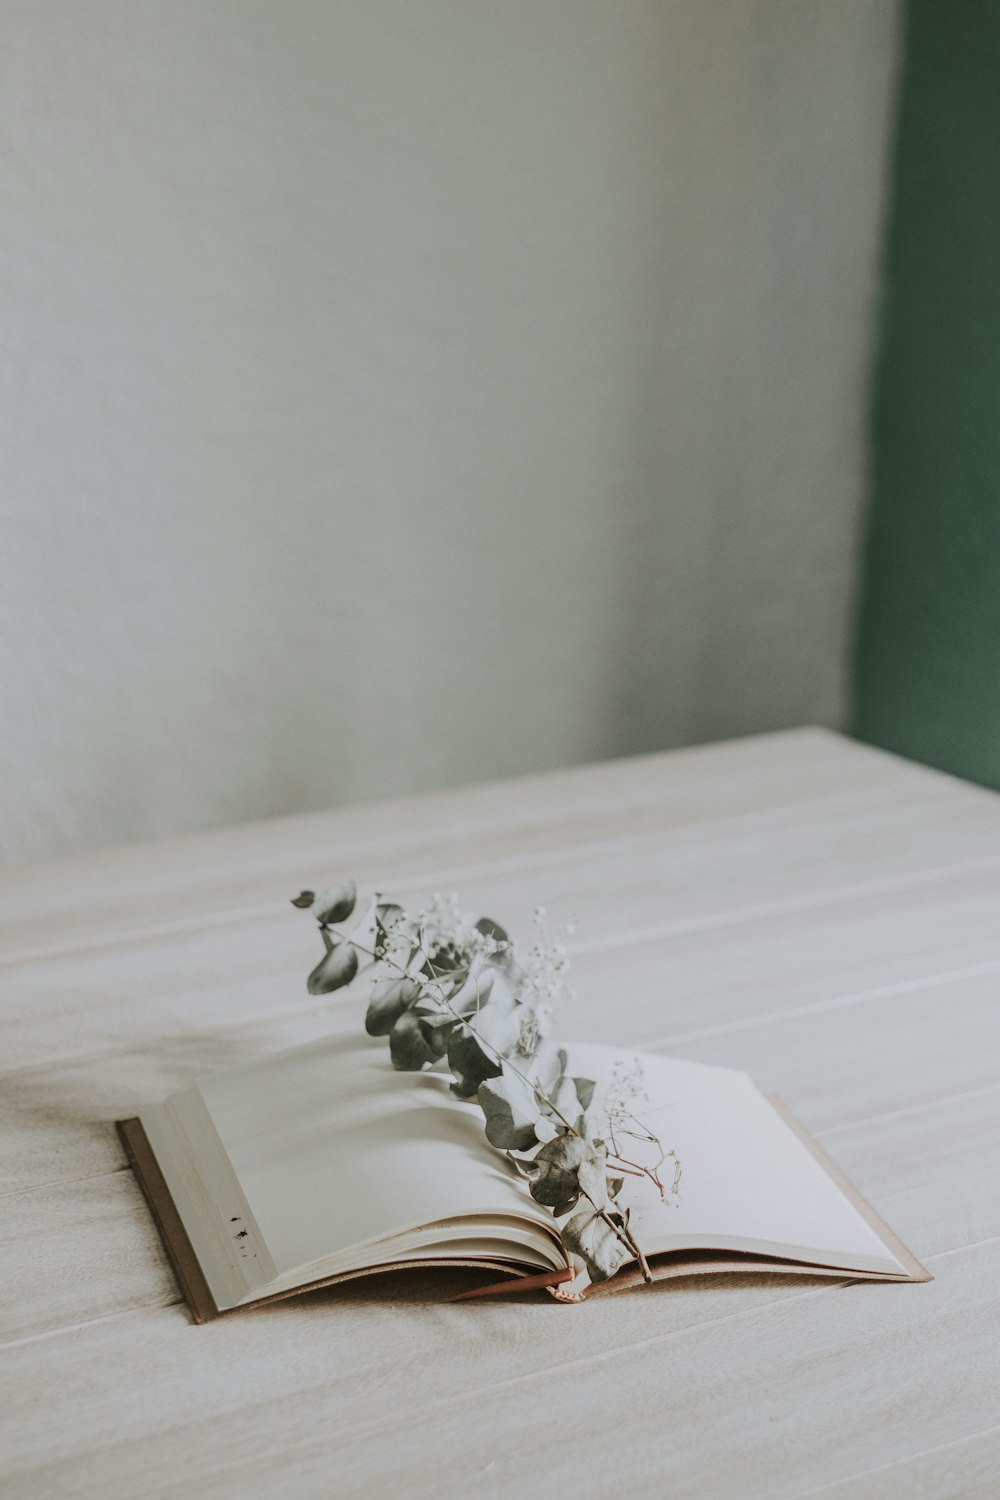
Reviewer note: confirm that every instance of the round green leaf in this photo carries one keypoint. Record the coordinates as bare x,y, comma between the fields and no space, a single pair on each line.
389,999
594,1240
555,1173
511,1110
336,904
408,1047
335,969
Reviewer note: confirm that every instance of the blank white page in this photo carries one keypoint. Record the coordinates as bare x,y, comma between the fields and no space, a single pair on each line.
748,1182
333,1148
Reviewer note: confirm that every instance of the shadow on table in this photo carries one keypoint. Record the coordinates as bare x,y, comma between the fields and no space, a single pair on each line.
439,1286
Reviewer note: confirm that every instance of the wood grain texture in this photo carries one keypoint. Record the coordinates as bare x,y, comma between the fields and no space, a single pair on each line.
963,1469
820,914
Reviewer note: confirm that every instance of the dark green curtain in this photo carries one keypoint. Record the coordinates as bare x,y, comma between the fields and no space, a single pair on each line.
927,663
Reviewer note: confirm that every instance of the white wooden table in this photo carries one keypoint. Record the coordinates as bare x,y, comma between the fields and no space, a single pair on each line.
821,914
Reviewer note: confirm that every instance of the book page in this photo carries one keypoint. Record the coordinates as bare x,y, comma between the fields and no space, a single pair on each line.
333,1149
496,1241
748,1183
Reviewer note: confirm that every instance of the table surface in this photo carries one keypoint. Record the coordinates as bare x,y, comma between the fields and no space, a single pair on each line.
822,914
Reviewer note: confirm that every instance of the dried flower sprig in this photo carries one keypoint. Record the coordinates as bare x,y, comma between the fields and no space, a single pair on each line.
446,985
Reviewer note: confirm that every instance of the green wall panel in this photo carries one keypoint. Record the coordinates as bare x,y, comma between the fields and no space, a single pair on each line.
927,664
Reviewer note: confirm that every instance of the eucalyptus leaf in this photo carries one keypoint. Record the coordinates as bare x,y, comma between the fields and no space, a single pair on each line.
443,1016
437,1030
336,968
566,1167
584,1092
388,914
389,999
390,922
408,1049
474,989
593,1175
490,1032
546,1068
469,1062
489,928
504,957
449,961
595,1241
336,904
556,1171
511,1110
566,1100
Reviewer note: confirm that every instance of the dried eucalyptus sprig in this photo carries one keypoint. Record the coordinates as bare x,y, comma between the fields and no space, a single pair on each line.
449,985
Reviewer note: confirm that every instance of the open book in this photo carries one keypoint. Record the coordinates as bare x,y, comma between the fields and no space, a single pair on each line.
321,1163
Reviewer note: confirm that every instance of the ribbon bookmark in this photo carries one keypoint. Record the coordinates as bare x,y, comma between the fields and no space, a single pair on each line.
515,1284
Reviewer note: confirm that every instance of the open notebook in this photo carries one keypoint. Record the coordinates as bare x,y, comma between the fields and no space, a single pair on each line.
321,1163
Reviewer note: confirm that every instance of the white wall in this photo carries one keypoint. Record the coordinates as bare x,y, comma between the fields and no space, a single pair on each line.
401,392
